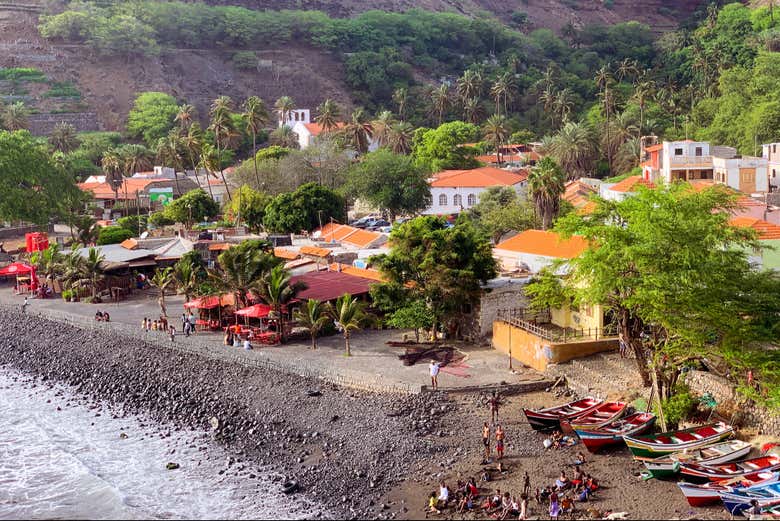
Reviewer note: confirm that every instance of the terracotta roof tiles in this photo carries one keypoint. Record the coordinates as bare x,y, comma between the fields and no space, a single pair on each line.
545,243
477,178
315,251
764,229
286,254
631,184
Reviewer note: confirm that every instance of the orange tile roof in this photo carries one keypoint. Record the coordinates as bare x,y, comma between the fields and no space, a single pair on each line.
578,193
315,129
765,230
315,251
477,178
220,246
631,184
284,253
587,209
129,244
746,201
546,243
126,191
507,158
349,235
357,272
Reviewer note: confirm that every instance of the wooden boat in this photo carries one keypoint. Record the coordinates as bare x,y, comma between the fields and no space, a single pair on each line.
613,432
731,470
738,501
652,446
548,419
601,415
669,465
699,495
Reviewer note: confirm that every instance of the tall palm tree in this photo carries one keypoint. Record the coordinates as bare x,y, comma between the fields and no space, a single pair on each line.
283,107
472,110
470,85
170,153
187,276
401,99
328,115
92,269
277,290
502,89
313,316
642,91
381,126
185,116
357,133
627,68
112,169
496,131
255,116
400,137
440,101
223,129
563,103
63,137
603,81
241,270
135,158
350,315
574,148
72,267
162,278
16,116
192,143
545,187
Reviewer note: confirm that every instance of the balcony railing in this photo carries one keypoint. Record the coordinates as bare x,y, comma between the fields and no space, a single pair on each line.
540,324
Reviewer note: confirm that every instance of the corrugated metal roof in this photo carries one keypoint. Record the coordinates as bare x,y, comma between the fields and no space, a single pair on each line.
330,285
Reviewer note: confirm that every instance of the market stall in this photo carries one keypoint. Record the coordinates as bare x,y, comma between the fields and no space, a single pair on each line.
212,311
26,279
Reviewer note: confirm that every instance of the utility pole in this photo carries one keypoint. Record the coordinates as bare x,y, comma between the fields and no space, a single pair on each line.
138,210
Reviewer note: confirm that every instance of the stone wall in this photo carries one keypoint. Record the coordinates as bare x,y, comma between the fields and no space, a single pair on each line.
765,421
43,124
508,296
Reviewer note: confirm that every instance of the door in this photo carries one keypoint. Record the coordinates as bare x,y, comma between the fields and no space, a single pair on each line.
747,180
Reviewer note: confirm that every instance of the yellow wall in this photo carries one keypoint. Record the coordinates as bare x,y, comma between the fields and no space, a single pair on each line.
537,352
584,318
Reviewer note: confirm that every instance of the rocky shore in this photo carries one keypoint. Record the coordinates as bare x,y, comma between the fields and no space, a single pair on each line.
346,449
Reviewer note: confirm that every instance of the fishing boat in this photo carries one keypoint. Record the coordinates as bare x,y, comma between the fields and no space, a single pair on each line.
699,495
548,419
731,470
654,445
601,415
613,432
738,501
669,465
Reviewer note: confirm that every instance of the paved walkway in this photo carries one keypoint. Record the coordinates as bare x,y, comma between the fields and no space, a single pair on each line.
373,363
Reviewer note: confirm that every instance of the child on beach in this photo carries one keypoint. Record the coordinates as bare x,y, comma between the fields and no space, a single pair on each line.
494,403
523,507
555,508
433,504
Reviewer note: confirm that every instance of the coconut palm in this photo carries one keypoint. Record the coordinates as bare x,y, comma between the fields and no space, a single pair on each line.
192,143
87,230
47,262
496,131
401,99
357,132
381,126
16,116
313,316
112,169
562,104
642,91
545,187
574,148
241,270
603,81
400,137
63,137
185,116
162,278
91,269
284,137
187,276
283,107
627,68
472,110
502,89
470,85
135,158
222,126
277,290
72,267
349,314
328,115
255,116
170,153
440,101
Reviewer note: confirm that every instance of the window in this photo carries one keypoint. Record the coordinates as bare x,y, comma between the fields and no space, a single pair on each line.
472,200
457,200
698,152
678,151
443,200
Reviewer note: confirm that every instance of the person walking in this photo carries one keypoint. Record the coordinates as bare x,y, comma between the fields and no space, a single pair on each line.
486,442
183,320
193,322
172,332
434,369
494,402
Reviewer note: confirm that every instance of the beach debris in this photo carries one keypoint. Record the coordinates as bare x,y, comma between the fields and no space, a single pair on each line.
214,421
314,392
290,486
122,436
172,466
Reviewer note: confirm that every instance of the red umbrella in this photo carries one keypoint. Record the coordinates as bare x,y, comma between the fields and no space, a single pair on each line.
256,311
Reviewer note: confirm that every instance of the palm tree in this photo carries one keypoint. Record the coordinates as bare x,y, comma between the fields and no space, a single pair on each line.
222,126
135,158
627,68
603,81
241,270
63,137
47,262
472,110
16,116
87,230
401,99
112,168
563,104
283,107
255,116
187,276
72,267
400,137
470,85
502,88
284,137
357,133
91,269
641,92
277,290
313,316
573,148
496,132
545,187
185,116
192,142
349,314
162,278
381,126
440,101
328,115
170,153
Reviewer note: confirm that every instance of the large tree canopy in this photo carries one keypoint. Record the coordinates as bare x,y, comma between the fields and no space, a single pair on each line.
31,187
304,209
438,149
152,116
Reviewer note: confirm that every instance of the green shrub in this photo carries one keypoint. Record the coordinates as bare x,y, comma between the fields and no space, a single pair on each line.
159,219
62,89
679,406
245,60
22,74
113,235
130,223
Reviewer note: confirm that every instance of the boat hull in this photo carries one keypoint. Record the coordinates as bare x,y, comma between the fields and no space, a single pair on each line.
663,470
550,419
596,440
647,450
692,471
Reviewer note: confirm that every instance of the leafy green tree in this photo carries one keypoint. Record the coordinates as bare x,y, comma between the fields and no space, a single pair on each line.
303,209
545,188
250,205
390,182
194,206
415,315
349,314
113,235
152,116
278,290
135,224
437,149
272,152
31,187
444,267
124,35
500,211
313,316
243,268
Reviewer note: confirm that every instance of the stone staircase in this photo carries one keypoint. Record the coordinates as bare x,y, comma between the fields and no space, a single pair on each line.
604,375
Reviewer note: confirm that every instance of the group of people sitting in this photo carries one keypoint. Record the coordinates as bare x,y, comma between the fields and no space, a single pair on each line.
102,316
562,495
467,499
234,340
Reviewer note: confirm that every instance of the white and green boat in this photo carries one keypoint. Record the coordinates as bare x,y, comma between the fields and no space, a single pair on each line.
655,445
669,465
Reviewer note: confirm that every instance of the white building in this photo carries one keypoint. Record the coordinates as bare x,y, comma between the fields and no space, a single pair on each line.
453,191
308,133
694,160
296,116
772,156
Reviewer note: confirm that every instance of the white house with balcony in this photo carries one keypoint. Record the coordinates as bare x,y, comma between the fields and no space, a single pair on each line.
453,191
694,160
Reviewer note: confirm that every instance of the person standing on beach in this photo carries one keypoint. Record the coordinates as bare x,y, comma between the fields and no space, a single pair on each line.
184,320
494,403
172,332
193,322
434,367
500,442
25,304
486,441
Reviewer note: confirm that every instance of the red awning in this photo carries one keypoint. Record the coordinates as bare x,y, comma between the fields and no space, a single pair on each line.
256,311
17,268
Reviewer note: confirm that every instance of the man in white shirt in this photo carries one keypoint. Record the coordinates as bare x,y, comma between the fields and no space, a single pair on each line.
434,367
247,344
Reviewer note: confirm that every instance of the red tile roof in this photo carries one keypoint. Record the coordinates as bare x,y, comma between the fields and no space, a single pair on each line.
578,193
126,191
631,184
284,253
545,243
315,251
477,178
222,246
764,229
357,272
334,232
330,285
315,129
